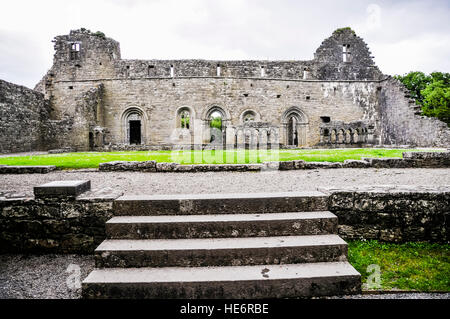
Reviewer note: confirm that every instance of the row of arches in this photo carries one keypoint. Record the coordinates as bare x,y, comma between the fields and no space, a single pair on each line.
217,121
343,135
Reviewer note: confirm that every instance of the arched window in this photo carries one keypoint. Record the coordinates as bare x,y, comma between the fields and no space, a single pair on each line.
249,117
185,119
215,119
292,131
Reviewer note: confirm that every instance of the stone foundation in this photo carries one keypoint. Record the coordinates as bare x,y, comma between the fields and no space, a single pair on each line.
77,224
392,213
409,160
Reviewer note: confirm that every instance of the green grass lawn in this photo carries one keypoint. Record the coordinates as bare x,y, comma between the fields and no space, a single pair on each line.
410,266
93,159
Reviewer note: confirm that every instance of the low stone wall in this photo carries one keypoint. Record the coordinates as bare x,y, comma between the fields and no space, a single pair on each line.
65,224
39,169
392,213
409,160
55,225
153,166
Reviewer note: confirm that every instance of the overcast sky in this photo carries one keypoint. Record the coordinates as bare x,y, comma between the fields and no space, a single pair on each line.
402,35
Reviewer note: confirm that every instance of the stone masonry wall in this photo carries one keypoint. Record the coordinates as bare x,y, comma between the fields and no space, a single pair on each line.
60,225
24,119
159,89
403,122
77,225
392,214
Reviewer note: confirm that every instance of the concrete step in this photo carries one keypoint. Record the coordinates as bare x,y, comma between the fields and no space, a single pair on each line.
222,225
139,205
220,251
237,282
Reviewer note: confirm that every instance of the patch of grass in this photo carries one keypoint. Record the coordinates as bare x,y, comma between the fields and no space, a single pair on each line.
409,266
93,159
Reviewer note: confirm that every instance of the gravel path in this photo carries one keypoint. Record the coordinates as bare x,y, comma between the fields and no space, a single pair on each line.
230,182
52,277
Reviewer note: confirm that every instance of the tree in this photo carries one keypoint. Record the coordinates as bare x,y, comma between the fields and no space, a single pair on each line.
432,92
436,101
415,82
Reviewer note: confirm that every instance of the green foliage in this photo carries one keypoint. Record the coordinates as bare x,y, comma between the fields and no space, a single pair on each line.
216,122
436,101
343,30
415,82
410,266
432,92
185,122
100,34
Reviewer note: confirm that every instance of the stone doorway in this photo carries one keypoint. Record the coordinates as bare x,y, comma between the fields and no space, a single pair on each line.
135,132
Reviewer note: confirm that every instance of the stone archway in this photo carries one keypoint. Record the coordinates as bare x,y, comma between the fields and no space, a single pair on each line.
295,124
215,121
133,126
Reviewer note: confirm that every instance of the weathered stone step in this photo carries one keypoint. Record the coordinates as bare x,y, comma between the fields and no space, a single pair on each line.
268,281
138,205
221,225
220,251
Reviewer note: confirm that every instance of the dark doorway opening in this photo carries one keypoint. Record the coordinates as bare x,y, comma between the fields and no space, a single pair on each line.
135,132
91,141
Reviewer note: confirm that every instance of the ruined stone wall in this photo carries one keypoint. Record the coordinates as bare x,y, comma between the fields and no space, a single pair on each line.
160,99
158,89
57,226
395,214
77,225
358,64
24,119
403,122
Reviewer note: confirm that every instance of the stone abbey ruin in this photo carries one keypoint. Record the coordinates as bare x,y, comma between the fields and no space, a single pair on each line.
91,99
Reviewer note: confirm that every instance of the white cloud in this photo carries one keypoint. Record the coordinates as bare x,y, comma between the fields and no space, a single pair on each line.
403,35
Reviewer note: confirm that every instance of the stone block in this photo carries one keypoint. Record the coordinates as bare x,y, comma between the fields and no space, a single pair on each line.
355,164
166,167
62,189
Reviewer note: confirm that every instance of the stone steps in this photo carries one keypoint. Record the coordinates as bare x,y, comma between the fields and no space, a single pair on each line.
222,246
220,251
142,205
221,225
237,282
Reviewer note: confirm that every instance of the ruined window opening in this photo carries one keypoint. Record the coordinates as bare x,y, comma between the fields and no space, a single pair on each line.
308,97
70,87
218,69
150,69
246,94
185,119
75,48
263,72
249,117
172,72
292,131
325,119
278,96
217,133
346,54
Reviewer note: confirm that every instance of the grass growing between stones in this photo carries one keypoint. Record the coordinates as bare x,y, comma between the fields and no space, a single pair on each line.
93,159
409,266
